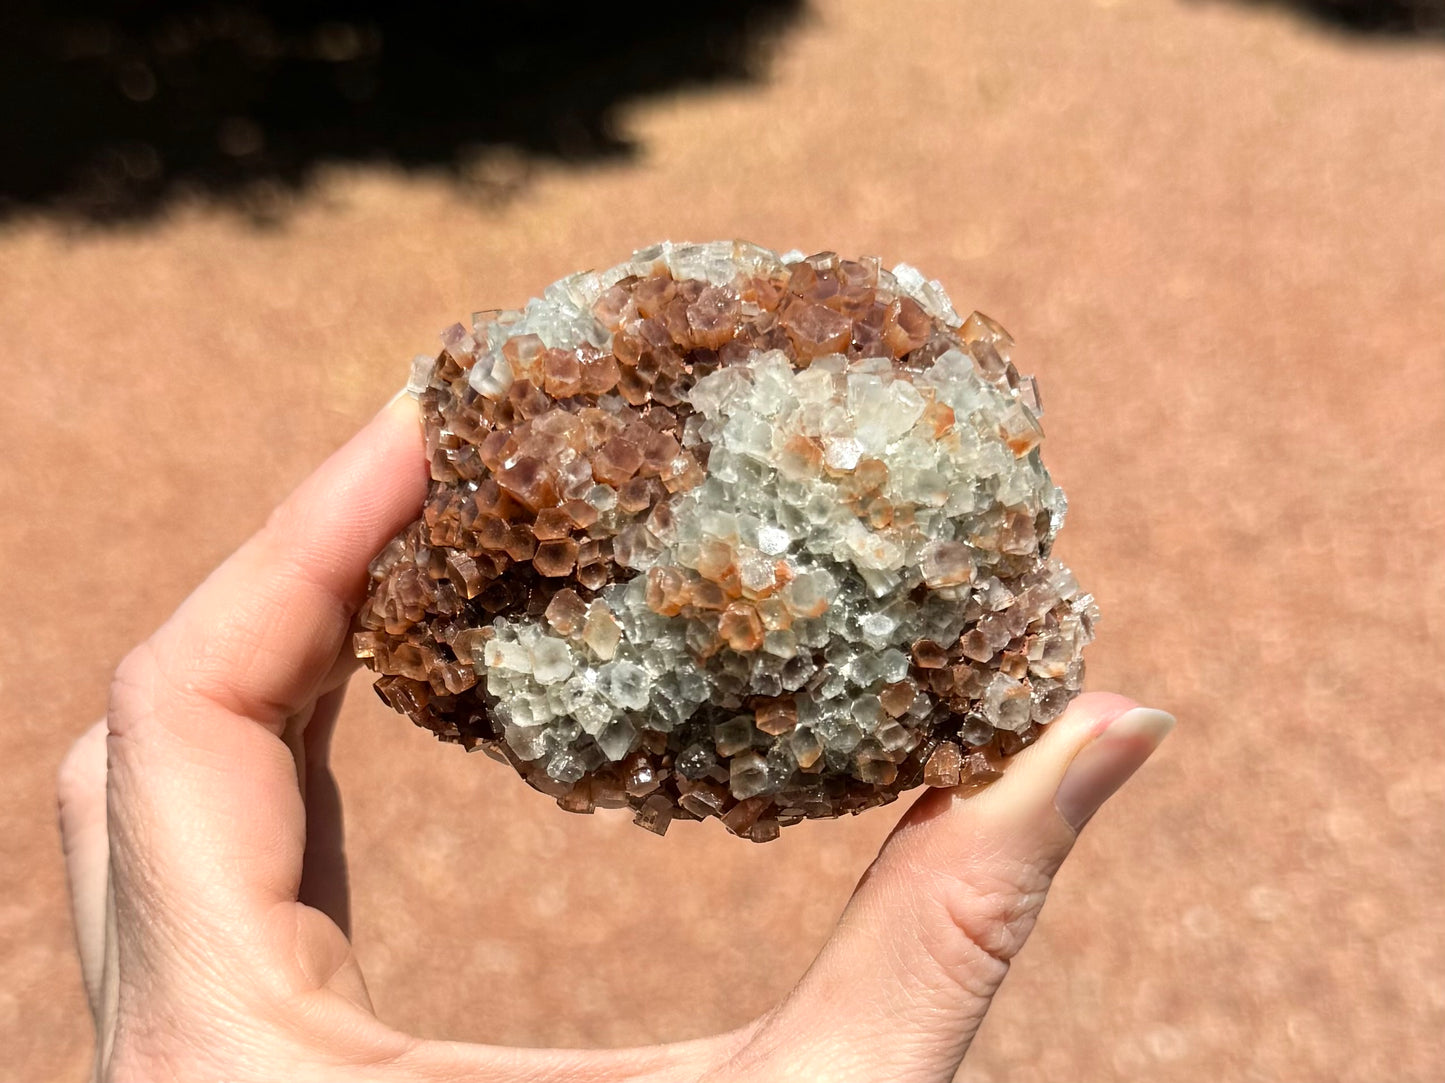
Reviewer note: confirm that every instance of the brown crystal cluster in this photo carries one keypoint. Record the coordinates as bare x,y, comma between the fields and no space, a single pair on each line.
719,532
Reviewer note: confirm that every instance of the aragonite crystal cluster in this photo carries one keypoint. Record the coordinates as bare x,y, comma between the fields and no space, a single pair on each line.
722,532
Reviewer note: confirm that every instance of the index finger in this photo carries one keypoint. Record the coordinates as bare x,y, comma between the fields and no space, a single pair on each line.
206,819
259,636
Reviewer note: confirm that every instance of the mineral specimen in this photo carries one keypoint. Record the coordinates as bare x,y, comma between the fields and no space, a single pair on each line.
721,532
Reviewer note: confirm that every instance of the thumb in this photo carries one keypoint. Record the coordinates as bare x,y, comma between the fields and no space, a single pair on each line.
923,945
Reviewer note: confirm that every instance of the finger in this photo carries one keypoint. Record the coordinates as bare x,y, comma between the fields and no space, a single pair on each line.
954,893
80,789
208,829
262,636
325,880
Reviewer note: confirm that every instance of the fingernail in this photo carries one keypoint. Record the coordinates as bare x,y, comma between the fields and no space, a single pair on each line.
403,403
1106,762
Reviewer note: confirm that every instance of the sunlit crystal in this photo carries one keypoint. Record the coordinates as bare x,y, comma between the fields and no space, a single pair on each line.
723,533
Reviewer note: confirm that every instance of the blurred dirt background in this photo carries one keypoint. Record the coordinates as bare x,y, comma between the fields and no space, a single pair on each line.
1218,233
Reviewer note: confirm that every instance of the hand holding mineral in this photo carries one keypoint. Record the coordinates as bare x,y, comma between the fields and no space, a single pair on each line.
203,846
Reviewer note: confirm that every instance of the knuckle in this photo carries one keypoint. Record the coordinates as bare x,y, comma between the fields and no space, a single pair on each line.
989,913
133,679
221,669
185,664
130,699
221,656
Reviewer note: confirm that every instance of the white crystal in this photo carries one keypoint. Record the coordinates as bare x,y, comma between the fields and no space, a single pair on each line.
551,660
617,739
946,564
842,453
747,775
505,655
624,684
773,540
422,367
491,376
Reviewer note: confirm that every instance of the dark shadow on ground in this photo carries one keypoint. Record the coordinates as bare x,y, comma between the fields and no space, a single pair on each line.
110,109
1378,18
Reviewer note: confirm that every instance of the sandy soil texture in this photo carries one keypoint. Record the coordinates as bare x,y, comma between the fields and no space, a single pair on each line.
1218,234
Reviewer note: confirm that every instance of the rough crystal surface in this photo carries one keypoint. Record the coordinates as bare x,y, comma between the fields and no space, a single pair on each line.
723,533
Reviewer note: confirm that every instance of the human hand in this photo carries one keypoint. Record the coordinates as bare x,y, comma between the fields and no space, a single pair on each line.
202,839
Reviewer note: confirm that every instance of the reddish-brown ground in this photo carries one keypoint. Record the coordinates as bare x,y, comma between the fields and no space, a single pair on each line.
1219,237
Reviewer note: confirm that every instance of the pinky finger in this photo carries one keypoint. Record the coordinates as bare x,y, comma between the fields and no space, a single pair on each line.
80,790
